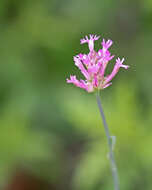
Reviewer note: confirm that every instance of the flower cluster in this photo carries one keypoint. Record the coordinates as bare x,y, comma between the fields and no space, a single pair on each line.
93,66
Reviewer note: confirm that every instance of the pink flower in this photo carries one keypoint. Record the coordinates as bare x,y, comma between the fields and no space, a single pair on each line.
93,66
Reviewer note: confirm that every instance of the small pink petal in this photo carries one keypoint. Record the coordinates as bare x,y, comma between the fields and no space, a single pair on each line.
109,84
116,69
90,41
79,64
95,81
106,44
81,83
93,69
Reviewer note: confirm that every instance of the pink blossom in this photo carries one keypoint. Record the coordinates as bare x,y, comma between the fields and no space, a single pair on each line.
93,65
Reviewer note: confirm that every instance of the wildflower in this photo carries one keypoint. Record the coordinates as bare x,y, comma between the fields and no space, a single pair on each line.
93,65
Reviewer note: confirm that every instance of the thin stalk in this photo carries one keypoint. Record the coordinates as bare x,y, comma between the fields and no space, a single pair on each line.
109,141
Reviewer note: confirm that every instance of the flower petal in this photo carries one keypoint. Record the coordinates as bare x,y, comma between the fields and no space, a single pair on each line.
77,83
105,86
106,44
116,69
79,64
90,41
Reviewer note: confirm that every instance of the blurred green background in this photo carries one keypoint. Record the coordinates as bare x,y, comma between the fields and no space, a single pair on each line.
51,134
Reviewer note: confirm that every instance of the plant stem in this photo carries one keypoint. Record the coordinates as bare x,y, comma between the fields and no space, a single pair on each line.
109,140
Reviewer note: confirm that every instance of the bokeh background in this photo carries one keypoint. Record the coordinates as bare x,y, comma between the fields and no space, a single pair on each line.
51,134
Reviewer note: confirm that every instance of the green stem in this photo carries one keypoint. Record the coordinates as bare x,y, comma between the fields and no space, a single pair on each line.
109,141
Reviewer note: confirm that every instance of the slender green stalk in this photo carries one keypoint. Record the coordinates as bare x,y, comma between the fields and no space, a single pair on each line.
109,140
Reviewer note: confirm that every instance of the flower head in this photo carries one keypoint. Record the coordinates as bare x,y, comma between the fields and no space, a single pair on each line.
93,65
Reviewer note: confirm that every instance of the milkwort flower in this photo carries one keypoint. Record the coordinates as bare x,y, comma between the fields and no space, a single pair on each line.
93,65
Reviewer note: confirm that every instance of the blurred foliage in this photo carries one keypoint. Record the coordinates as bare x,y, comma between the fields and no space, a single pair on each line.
53,130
